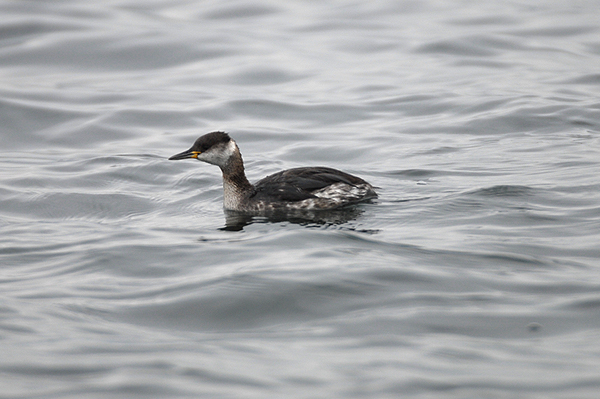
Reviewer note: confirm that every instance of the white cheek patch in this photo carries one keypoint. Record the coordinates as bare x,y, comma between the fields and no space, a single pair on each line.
219,155
231,147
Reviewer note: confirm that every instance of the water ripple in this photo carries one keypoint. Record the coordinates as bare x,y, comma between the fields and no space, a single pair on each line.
474,273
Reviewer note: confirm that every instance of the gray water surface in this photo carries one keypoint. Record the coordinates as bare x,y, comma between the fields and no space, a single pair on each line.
476,274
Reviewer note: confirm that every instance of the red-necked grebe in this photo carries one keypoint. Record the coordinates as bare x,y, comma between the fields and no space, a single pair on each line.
311,188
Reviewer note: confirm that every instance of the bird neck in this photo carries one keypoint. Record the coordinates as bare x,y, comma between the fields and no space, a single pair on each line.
236,186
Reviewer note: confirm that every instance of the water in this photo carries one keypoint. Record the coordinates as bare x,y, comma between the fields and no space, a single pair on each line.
476,274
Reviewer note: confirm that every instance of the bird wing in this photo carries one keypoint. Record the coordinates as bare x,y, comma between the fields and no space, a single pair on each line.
298,184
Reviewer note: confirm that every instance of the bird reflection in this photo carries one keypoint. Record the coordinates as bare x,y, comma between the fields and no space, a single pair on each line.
236,221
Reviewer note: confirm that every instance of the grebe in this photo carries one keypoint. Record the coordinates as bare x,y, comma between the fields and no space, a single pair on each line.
293,189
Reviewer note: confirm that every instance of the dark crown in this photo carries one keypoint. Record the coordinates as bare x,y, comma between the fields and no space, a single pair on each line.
210,139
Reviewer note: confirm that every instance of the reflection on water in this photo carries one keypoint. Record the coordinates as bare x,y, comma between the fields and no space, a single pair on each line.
236,221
